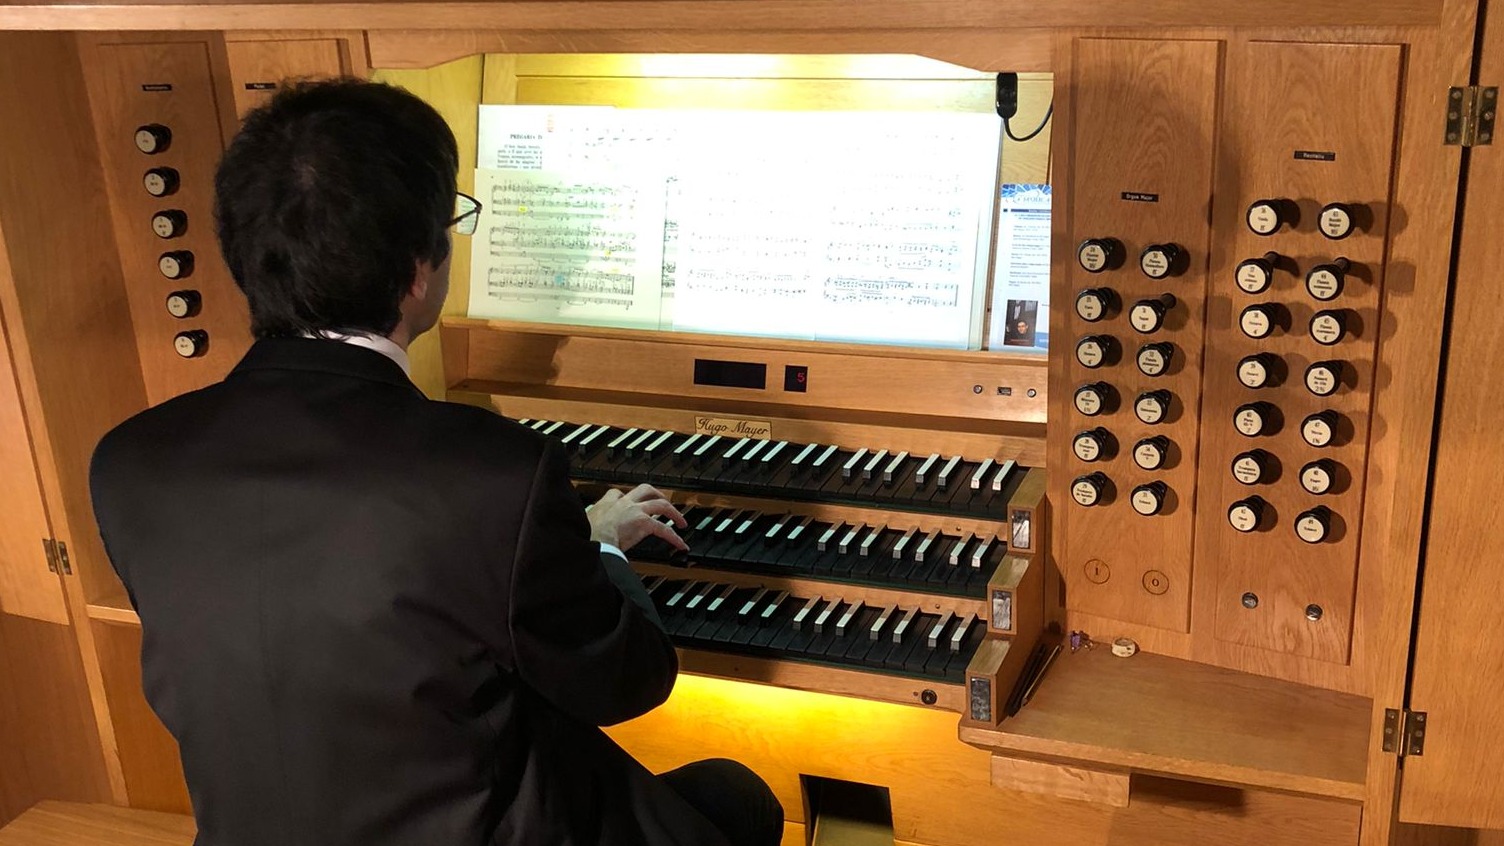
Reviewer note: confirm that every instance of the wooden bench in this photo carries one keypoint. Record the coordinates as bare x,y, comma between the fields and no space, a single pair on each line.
74,824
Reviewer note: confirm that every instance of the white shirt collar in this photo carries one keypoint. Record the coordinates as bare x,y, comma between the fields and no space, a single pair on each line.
385,346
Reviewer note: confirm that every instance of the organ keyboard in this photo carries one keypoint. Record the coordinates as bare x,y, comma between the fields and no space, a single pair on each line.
891,564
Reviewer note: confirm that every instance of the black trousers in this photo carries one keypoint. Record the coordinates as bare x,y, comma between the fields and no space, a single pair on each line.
732,797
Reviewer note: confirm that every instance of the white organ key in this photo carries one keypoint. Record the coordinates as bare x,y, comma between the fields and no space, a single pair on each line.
870,468
903,623
689,442
882,620
772,533
865,550
849,467
958,549
658,443
591,438
943,479
958,637
1004,471
570,438
824,617
799,529
824,539
924,468
554,428
621,439
731,453
767,457
829,451
934,639
903,542
773,605
845,545
924,546
893,466
980,553
705,447
980,474
803,613
720,600
751,604
845,622
803,454
750,454
632,447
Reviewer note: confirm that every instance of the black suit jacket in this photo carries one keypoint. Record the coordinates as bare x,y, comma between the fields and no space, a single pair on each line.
370,618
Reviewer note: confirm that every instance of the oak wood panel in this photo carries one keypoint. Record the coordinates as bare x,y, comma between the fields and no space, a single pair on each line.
454,90
27,586
941,790
16,791
73,344
75,824
1163,96
148,753
55,745
1284,99
1169,717
971,386
1019,50
671,15
257,67
1455,676
1103,787
116,74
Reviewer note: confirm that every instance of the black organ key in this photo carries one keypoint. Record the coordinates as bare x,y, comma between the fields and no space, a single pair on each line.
823,465
768,464
955,666
798,458
908,638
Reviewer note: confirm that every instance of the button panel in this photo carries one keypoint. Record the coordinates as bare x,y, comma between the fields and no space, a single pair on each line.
1293,326
1142,240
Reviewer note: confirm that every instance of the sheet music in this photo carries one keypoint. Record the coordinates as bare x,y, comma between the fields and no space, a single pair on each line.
818,225
556,249
1021,274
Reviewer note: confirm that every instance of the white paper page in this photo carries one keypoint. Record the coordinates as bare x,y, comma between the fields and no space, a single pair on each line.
559,249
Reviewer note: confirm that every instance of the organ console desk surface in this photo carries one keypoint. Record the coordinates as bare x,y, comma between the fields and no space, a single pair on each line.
1260,445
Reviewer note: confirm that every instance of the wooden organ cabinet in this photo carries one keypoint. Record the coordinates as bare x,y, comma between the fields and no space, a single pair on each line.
1260,445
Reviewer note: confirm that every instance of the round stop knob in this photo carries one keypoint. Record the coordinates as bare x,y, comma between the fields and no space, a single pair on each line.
1149,315
153,138
191,344
1255,419
1319,476
1092,445
1151,453
1258,321
1246,515
1266,217
1329,327
184,304
1254,467
1314,525
1148,499
1255,275
1337,220
1093,351
1154,359
176,265
1159,261
1324,377
1152,407
1094,398
1324,282
169,224
160,181
1098,254
1320,429
1089,490
1094,304
1262,370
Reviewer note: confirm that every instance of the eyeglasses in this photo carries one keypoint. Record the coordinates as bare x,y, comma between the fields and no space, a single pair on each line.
466,214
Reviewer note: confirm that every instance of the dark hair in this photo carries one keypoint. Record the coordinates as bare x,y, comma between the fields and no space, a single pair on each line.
327,199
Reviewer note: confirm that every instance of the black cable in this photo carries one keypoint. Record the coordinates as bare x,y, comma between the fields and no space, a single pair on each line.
1008,130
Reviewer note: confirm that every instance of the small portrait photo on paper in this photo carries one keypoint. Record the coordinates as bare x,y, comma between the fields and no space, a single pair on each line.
1021,327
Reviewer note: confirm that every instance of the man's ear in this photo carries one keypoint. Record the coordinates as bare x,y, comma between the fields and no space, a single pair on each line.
422,272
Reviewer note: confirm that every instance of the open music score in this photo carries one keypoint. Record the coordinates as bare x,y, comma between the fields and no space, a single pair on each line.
863,227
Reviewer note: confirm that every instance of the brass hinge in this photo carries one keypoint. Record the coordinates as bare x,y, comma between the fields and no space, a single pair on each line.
1405,732
1470,116
57,556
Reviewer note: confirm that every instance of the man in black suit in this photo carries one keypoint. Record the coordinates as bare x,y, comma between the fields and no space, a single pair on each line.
369,618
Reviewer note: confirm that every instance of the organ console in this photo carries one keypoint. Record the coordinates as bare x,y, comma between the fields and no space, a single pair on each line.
1209,569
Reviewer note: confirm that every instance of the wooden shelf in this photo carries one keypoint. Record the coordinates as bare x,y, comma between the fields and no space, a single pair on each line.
115,608
1164,716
